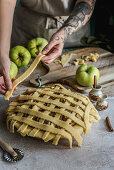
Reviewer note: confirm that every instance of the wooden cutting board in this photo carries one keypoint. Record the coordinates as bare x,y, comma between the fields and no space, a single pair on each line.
66,75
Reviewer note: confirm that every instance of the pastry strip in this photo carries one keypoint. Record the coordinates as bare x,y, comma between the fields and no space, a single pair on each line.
54,120
86,118
49,93
44,100
65,113
24,76
44,127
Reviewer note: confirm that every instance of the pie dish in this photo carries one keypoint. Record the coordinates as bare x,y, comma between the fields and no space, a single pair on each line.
52,113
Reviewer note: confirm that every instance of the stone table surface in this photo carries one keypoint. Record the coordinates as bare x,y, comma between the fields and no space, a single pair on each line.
96,153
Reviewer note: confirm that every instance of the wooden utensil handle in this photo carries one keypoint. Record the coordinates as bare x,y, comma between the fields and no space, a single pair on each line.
7,148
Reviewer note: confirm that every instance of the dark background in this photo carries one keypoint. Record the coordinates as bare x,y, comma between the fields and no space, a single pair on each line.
102,25
102,21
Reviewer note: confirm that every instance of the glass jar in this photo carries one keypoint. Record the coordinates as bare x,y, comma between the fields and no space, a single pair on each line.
102,104
95,93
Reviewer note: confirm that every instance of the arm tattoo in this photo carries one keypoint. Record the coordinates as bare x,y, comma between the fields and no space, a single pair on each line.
79,17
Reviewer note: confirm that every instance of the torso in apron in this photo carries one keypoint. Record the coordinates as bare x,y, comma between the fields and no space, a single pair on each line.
42,18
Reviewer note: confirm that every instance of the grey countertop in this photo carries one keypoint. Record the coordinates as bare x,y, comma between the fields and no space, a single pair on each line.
96,153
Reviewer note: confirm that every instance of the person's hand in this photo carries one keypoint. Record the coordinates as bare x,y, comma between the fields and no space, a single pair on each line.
54,47
3,89
5,82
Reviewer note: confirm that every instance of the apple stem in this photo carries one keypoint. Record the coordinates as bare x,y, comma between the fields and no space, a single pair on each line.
95,81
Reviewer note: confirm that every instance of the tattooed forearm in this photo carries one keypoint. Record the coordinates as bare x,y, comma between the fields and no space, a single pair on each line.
79,16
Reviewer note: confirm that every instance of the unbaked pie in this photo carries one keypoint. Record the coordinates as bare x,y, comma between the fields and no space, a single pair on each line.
52,113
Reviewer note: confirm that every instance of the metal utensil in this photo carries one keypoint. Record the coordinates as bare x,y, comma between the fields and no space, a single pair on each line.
10,154
39,81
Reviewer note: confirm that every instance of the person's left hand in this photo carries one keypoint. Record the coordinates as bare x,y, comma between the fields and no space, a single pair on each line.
3,89
54,47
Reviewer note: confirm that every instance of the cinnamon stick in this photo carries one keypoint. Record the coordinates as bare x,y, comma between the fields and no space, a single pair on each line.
95,81
109,124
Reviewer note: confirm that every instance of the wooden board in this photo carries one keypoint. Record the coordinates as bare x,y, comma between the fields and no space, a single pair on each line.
66,75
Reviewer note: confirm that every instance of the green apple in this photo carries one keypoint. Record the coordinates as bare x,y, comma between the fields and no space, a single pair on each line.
13,70
85,75
36,45
20,55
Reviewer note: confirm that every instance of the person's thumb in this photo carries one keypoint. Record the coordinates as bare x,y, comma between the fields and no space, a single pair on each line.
7,80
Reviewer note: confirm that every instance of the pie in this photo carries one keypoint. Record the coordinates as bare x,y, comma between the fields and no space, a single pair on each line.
52,113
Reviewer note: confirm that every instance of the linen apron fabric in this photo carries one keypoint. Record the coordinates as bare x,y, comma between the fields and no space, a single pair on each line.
42,18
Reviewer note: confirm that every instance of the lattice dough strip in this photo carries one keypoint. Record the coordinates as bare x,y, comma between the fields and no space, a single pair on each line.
58,122
59,116
59,86
84,99
11,124
86,118
96,114
30,129
60,111
92,117
56,116
46,134
57,137
59,104
65,96
36,108
34,130
24,126
43,127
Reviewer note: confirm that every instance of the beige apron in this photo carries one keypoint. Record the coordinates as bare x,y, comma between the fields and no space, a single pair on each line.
42,18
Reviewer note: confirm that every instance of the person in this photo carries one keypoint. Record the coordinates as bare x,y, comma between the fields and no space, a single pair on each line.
61,22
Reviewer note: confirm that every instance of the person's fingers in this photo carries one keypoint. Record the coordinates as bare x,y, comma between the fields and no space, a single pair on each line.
3,87
1,80
7,81
52,55
49,61
2,91
49,46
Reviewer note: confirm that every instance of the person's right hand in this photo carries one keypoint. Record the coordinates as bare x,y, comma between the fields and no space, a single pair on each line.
5,81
